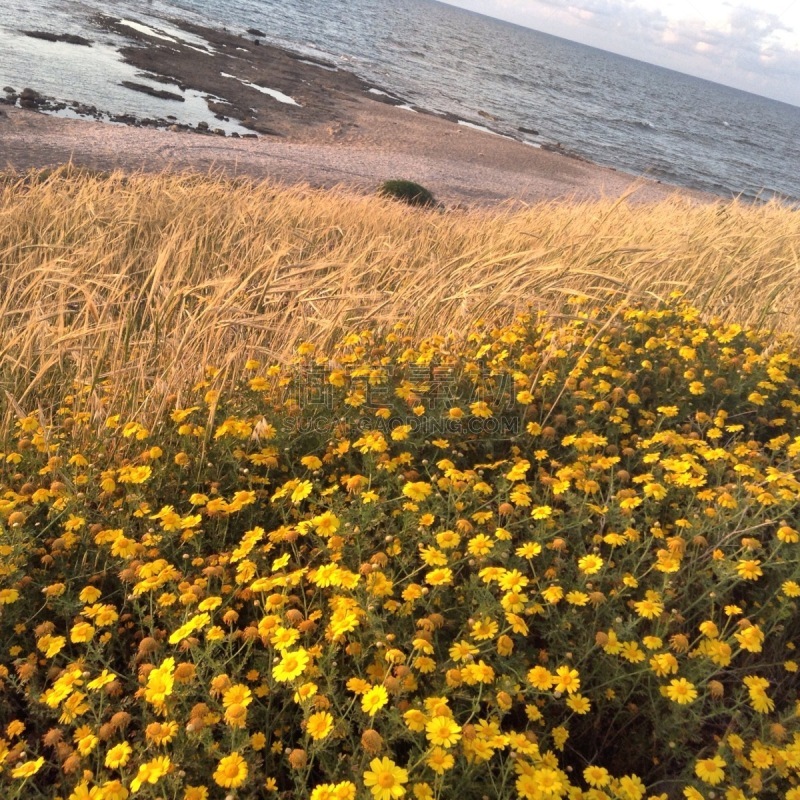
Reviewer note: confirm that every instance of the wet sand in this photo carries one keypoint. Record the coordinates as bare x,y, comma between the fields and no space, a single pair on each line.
336,133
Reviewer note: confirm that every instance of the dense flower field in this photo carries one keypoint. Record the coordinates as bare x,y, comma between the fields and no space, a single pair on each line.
553,560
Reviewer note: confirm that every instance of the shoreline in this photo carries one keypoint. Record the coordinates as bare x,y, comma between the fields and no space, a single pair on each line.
311,122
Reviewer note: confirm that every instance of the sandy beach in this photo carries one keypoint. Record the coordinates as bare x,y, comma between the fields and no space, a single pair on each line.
337,132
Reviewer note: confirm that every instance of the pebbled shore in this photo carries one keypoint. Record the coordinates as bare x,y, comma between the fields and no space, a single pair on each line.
336,133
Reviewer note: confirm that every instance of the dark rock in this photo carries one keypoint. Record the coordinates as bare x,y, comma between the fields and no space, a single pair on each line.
69,38
559,148
256,32
249,136
234,135
30,98
529,131
219,132
9,90
162,94
320,62
48,37
202,125
487,115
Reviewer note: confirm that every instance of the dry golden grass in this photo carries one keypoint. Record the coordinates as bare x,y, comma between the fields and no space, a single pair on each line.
144,279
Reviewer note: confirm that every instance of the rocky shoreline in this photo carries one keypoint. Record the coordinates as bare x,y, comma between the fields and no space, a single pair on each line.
240,77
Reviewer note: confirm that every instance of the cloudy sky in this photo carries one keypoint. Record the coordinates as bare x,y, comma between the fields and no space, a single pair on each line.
750,45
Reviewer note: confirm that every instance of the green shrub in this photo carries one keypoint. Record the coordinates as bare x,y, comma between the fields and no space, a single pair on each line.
408,192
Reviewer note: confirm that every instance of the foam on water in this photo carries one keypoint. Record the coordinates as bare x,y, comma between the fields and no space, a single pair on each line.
146,29
274,93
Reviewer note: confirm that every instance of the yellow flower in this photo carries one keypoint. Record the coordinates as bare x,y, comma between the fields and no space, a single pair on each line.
301,491
374,699
567,680
85,740
114,790
160,683
788,535
540,678
630,787
791,588
651,607
326,524
579,704
385,779
529,550
710,770
417,491
560,736
319,725
81,632
237,694
236,715
632,652
51,645
358,685
151,772
749,569
481,409
439,577
231,772
415,720
590,564
161,733
553,594
541,783
483,629
664,664
291,666
440,760
323,791
596,776
134,474
8,596
118,756
750,638
681,691
443,731
27,768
